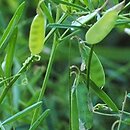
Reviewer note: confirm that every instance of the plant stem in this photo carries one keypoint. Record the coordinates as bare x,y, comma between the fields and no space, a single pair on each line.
89,66
54,29
121,115
9,85
69,85
48,71
106,114
3,76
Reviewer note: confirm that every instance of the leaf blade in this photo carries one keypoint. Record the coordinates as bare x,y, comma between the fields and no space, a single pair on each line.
97,74
39,120
13,22
22,113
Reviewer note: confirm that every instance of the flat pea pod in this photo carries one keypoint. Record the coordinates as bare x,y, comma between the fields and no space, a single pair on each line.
104,25
37,34
97,74
74,105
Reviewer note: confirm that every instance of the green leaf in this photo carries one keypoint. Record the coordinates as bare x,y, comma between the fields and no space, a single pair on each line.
55,25
69,4
84,105
74,105
11,26
102,95
2,76
46,11
22,113
10,53
97,74
39,120
84,19
1,72
90,5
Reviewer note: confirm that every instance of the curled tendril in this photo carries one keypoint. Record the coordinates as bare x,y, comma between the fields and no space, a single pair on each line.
76,70
25,81
36,57
114,125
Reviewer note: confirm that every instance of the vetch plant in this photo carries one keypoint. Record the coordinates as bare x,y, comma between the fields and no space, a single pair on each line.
67,31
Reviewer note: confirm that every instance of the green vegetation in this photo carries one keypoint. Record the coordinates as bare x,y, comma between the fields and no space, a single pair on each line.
64,64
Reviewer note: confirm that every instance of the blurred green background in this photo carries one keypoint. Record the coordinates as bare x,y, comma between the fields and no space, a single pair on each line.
113,51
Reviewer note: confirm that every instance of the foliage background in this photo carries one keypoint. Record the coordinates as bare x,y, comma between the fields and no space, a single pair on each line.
114,53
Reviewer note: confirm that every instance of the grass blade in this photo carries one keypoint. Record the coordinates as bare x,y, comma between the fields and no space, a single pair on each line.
46,12
74,105
22,113
69,4
2,76
13,22
39,120
102,95
10,53
23,69
84,19
1,72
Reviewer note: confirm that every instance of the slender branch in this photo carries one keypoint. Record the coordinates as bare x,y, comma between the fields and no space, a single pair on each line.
106,114
48,71
9,85
89,66
121,115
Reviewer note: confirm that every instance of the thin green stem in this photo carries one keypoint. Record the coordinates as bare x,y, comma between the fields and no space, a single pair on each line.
9,85
64,33
127,113
121,115
54,29
70,4
106,114
3,76
69,85
89,66
126,6
48,71
68,36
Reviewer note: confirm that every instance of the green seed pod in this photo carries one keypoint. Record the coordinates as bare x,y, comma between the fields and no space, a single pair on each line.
37,34
104,25
97,74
